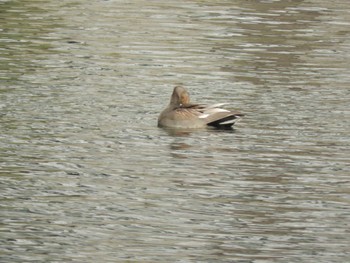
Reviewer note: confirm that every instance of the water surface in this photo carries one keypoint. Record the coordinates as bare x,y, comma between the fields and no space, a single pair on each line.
86,176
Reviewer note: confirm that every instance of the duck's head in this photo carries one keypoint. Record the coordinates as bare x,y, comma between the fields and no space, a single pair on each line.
180,96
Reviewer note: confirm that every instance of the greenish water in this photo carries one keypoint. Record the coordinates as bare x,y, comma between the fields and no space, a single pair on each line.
86,176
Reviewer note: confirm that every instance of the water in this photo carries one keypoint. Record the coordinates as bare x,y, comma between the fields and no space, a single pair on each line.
86,176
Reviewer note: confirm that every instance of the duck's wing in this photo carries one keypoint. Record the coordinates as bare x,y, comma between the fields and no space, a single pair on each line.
215,116
192,106
187,112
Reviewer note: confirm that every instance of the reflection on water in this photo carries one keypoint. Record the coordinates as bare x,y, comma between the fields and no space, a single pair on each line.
87,176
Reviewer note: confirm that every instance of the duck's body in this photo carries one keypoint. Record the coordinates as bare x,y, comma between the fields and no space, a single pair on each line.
180,113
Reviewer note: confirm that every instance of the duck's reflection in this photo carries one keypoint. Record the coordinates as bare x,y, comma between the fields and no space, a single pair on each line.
179,132
177,149
179,146
188,132
186,141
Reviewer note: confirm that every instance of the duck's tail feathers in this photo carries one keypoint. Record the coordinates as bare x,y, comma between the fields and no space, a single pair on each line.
226,121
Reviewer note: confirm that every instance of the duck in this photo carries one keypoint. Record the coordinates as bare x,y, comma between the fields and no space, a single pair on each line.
181,113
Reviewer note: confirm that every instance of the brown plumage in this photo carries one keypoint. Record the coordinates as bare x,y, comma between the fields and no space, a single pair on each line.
180,113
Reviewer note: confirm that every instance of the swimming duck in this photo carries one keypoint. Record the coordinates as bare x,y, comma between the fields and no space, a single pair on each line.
180,113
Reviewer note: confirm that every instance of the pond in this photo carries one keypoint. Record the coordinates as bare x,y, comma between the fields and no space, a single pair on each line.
86,174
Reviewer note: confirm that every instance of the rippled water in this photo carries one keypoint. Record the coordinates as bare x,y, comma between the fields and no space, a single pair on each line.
86,176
